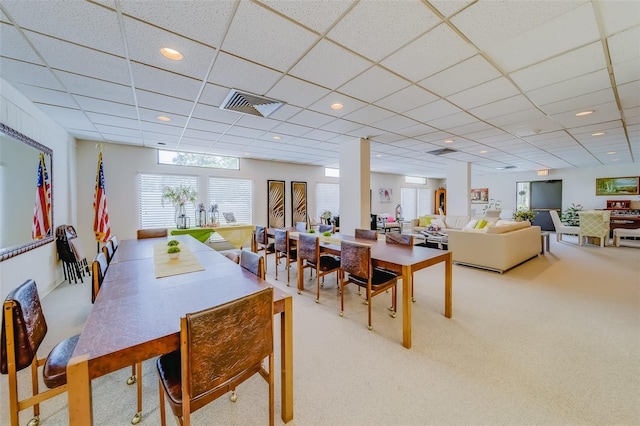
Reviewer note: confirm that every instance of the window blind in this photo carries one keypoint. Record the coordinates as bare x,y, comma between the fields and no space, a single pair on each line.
152,212
232,196
328,198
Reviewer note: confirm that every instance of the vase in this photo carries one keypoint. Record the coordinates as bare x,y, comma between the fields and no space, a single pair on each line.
174,255
181,213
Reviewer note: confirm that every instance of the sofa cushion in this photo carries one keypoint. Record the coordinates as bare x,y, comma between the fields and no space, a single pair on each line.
456,222
472,224
481,224
508,227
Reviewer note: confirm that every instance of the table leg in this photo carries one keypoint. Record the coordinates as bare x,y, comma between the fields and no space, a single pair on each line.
407,278
448,284
286,361
79,391
300,276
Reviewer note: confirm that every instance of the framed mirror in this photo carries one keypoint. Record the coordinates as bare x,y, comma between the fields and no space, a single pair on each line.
26,193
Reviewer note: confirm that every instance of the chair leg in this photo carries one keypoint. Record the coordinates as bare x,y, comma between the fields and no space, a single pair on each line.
369,308
35,390
271,392
163,420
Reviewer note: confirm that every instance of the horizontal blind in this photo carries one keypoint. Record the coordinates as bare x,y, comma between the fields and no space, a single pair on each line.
328,198
408,201
232,196
153,211
425,201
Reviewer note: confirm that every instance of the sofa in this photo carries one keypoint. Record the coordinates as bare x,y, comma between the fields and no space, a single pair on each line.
445,223
497,247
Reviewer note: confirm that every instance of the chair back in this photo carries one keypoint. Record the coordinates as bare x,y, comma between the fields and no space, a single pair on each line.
215,353
281,240
404,239
301,226
152,233
325,228
261,235
114,243
308,247
367,234
252,262
555,218
22,320
98,271
355,259
107,249
595,223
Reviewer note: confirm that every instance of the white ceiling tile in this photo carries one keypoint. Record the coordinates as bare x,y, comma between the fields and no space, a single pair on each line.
438,49
166,129
296,92
603,112
502,107
417,130
203,21
213,94
349,104
106,107
373,84
579,103
66,117
122,139
355,29
151,115
285,112
449,7
85,135
577,86
41,95
432,111
485,93
571,64
464,75
626,72
317,15
22,72
237,73
451,121
311,119
290,129
154,80
408,98
629,94
145,41
395,123
248,120
319,65
244,132
266,38
619,15
14,46
120,131
320,135
91,87
207,126
369,115
168,104
112,120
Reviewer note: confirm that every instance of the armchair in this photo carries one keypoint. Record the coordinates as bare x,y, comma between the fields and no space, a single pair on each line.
562,228
594,224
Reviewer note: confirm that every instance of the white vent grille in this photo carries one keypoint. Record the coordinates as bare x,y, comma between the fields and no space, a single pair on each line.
246,103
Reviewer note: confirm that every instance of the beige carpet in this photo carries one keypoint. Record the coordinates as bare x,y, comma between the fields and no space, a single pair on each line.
555,341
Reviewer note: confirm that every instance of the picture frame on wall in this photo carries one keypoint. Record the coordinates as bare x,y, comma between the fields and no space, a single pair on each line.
298,202
479,195
385,194
618,186
275,204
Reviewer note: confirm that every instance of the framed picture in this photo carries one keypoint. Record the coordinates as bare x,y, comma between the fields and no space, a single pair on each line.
276,202
480,195
385,194
298,202
617,186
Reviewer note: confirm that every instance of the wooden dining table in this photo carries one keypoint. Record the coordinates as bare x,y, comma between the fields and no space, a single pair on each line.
136,316
401,259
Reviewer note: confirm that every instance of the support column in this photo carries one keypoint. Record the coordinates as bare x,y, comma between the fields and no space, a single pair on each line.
458,188
355,183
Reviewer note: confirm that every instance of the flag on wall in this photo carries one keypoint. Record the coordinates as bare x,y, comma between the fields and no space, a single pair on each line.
101,217
42,210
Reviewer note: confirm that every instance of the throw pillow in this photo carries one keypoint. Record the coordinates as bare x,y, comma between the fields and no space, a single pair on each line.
425,221
390,219
438,222
481,224
472,224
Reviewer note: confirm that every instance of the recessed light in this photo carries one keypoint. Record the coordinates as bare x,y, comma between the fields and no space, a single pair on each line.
378,155
615,159
611,152
449,141
163,118
277,138
161,143
484,151
581,113
597,134
169,53
337,106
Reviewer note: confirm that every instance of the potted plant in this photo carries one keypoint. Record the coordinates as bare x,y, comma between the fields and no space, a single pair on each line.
178,196
571,215
173,251
326,234
326,215
311,231
524,214
173,243
491,205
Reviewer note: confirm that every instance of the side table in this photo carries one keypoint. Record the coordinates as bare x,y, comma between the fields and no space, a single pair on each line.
544,240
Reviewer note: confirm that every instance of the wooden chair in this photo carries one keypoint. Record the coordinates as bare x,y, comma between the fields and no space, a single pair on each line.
325,228
232,255
23,330
367,234
107,250
152,233
261,243
355,260
212,360
406,240
99,268
284,251
252,262
309,253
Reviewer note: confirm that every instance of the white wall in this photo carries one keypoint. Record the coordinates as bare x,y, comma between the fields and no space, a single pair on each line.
40,264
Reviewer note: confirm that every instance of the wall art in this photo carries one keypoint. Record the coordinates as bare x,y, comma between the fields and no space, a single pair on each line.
276,202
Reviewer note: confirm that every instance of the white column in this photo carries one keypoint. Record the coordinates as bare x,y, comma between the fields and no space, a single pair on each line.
355,182
458,188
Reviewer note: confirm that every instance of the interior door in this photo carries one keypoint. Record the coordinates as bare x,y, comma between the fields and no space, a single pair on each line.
546,196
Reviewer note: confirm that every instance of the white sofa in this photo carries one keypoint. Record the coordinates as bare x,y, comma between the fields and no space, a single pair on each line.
449,222
498,247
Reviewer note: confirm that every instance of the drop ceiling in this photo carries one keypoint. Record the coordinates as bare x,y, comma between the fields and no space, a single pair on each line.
502,81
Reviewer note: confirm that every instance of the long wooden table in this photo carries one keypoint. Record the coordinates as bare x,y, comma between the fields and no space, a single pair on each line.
239,235
137,316
401,259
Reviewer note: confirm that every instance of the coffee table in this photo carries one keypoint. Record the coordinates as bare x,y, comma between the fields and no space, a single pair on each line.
437,239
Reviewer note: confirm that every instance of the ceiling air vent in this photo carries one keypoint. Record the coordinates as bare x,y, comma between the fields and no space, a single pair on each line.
246,103
441,151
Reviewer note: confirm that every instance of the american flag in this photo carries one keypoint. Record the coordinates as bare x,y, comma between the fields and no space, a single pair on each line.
42,210
101,217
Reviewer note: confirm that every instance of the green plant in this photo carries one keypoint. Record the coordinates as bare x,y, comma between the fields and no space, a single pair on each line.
571,215
173,249
524,214
311,231
326,233
491,205
173,243
180,195
326,214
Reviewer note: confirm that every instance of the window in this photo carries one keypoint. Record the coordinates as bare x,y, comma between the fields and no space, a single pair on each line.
329,172
232,196
177,158
413,179
415,202
154,212
328,198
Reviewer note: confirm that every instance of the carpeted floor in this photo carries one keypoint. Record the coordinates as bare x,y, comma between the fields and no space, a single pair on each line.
555,341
